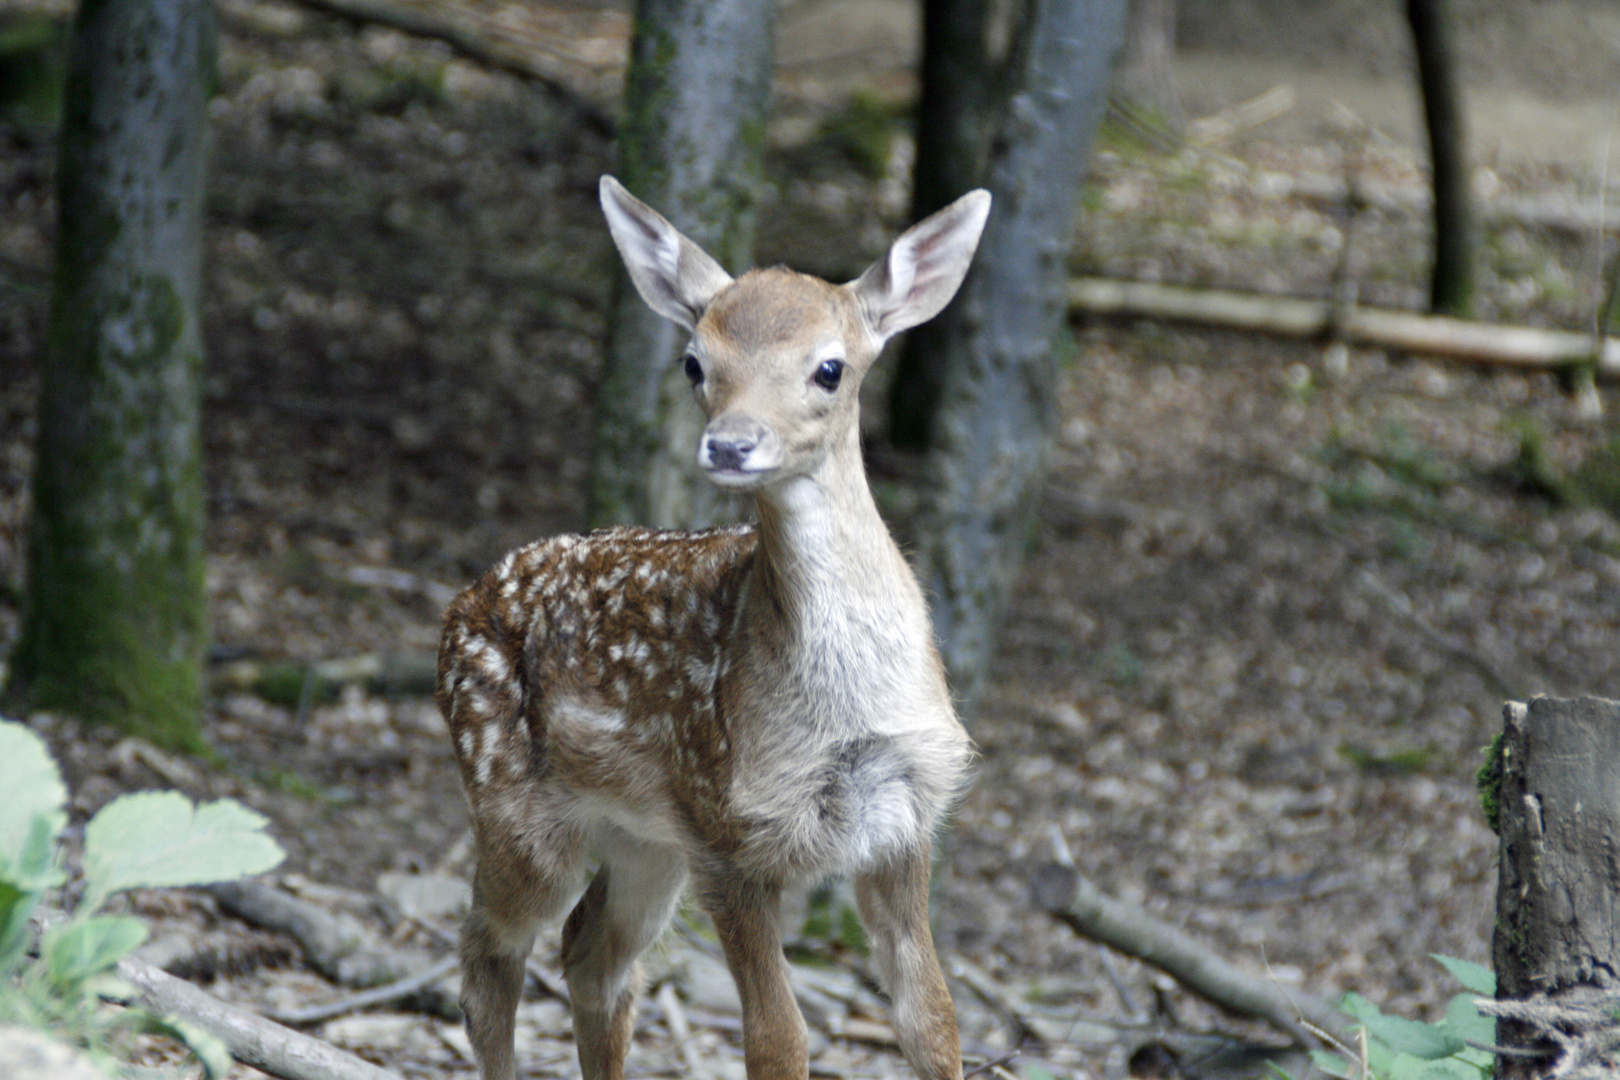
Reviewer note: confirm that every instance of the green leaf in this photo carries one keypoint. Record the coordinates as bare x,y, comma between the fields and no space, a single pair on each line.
1331,1063
1480,980
1429,1042
157,839
80,948
1464,1021
32,796
1358,1007
209,1048
16,907
1449,1069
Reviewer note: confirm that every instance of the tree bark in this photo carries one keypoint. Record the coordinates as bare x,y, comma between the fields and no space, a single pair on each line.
1146,82
114,623
1001,337
1558,893
1451,290
691,144
959,83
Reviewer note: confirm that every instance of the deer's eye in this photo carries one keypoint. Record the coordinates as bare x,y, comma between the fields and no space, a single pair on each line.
829,374
694,370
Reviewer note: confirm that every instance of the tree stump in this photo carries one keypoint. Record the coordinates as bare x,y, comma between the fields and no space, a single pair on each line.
1558,894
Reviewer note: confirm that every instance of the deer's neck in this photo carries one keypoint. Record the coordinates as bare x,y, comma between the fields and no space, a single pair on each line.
821,537
833,611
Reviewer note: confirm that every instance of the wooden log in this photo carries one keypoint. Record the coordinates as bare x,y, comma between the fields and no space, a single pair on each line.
1558,891
1431,335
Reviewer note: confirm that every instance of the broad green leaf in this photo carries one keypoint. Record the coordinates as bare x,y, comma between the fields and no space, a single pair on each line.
1426,1041
1448,1069
1464,1021
78,949
1380,1058
1481,981
16,907
1358,1006
157,839
31,796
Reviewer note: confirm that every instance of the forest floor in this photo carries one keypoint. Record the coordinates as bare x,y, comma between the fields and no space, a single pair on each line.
1271,613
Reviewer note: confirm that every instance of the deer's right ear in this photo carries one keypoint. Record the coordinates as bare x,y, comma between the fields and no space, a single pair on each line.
675,276
923,268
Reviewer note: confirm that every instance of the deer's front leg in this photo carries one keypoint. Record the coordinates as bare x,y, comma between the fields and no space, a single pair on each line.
776,1045
894,907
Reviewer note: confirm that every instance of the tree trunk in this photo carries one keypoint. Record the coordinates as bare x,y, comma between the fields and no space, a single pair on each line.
114,625
1146,82
1558,896
959,84
692,145
1451,289
1000,339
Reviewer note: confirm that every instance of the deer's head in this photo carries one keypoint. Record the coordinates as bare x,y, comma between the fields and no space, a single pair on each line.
776,358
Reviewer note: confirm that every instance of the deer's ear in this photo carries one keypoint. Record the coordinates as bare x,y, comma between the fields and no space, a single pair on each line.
923,268
675,276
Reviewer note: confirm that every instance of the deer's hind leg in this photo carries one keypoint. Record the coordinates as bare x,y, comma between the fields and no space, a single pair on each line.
518,886
626,907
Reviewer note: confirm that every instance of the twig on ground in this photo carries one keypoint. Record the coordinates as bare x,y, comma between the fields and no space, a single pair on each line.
251,1039
993,1063
1062,893
1580,1025
1397,603
335,944
367,999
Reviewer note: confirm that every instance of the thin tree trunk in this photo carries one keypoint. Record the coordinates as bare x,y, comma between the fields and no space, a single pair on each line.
998,402
692,145
1147,82
959,85
1451,289
114,623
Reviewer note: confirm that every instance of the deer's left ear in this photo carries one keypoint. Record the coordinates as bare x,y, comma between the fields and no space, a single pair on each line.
923,268
675,276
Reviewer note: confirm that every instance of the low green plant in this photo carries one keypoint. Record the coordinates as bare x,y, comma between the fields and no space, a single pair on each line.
55,981
1400,1049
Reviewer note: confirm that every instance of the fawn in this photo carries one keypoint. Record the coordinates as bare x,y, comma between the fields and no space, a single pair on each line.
743,706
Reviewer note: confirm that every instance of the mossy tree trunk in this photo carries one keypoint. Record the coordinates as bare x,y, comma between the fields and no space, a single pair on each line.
1451,287
960,87
114,622
691,144
1001,337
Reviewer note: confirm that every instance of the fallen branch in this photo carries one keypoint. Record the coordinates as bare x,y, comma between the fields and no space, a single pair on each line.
1500,680
1431,335
1062,893
490,50
337,945
251,1039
